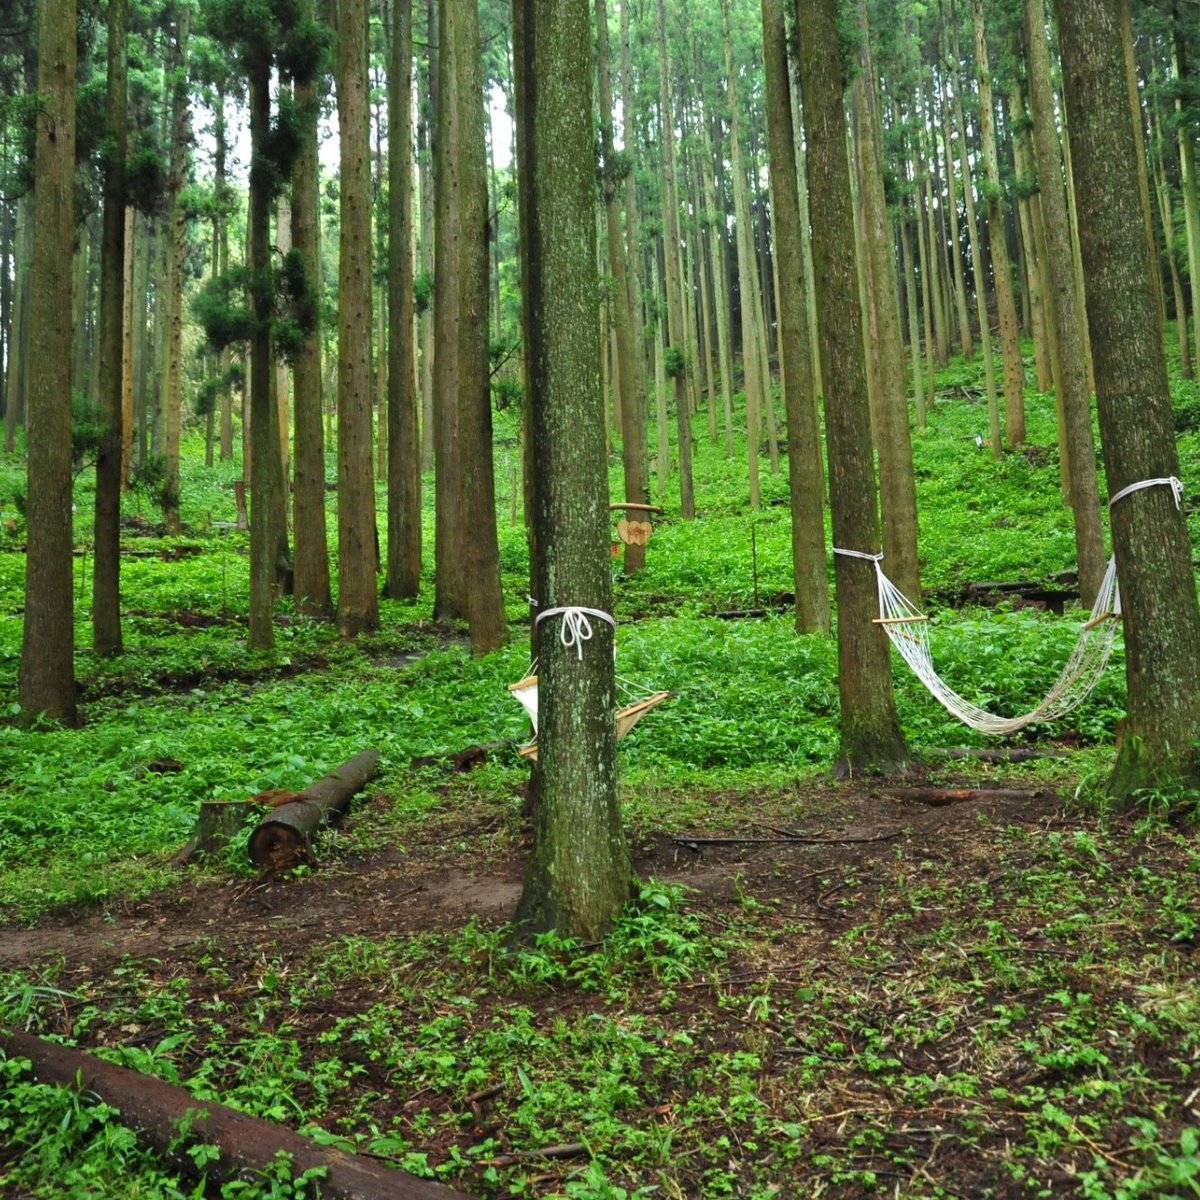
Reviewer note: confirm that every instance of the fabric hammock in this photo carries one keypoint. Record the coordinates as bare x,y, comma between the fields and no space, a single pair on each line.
526,691
908,630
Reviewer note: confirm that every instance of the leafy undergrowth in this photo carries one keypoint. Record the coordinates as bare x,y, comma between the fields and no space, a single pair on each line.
993,999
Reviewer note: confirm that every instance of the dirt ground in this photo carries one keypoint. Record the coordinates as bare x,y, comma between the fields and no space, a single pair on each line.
852,847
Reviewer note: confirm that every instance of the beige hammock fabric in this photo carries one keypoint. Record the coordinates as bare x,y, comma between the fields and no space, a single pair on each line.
908,630
526,691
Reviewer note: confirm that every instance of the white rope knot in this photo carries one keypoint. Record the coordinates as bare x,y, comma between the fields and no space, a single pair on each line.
1175,484
875,558
576,627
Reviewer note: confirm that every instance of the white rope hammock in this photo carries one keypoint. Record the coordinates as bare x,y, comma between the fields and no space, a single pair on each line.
908,630
576,630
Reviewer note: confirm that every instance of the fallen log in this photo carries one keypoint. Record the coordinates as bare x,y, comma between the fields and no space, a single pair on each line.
283,838
170,1119
1000,754
940,797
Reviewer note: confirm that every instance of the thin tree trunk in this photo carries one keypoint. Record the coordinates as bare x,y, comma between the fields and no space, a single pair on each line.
404,445
716,253
106,587
47,673
893,442
810,573
311,585
977,267
675,316
630,383
358,600
1167,211
1066,313
870,730
1010,335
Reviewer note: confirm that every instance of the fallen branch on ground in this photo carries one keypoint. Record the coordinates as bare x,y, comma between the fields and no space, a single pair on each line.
161,1113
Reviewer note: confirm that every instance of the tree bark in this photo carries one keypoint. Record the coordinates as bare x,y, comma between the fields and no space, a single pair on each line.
579,873
358,600
283,838
1064,310
631,382
47,672
404,435
1010,335
676,336
870,730
310,584
810,573
158,1111
1150,539
106,587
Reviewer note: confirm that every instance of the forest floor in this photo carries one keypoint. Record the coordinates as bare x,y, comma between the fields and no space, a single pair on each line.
988,998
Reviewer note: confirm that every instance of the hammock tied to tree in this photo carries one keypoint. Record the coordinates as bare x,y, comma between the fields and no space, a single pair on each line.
575,631
908,630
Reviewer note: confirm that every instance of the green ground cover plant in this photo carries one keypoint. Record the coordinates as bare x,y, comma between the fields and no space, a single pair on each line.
990,999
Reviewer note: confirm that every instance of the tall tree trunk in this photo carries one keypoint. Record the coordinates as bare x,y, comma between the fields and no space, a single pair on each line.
977,268
426,142
579,873
106,588
461,317
810,573
1010,335
404,439
1083,492
675,321
1150,538
893,441
266,469
754,383
1166,209
47,675
965,339
716,253
310,585
630,382
18,344
1187,170
171,378
870,730
358,601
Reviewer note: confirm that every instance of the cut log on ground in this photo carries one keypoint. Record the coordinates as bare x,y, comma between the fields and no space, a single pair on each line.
283,838
940,797
158,1111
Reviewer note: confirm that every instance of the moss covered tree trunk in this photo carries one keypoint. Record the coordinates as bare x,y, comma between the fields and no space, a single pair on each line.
358,599
870,731
47,675
631,381
311,579
106,590
1150,539
809,571
1064,311
404,436
579,875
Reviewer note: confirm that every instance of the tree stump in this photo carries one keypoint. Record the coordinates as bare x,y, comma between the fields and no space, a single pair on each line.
219,823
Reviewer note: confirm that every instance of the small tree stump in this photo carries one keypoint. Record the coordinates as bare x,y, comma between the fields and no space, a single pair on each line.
219,823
